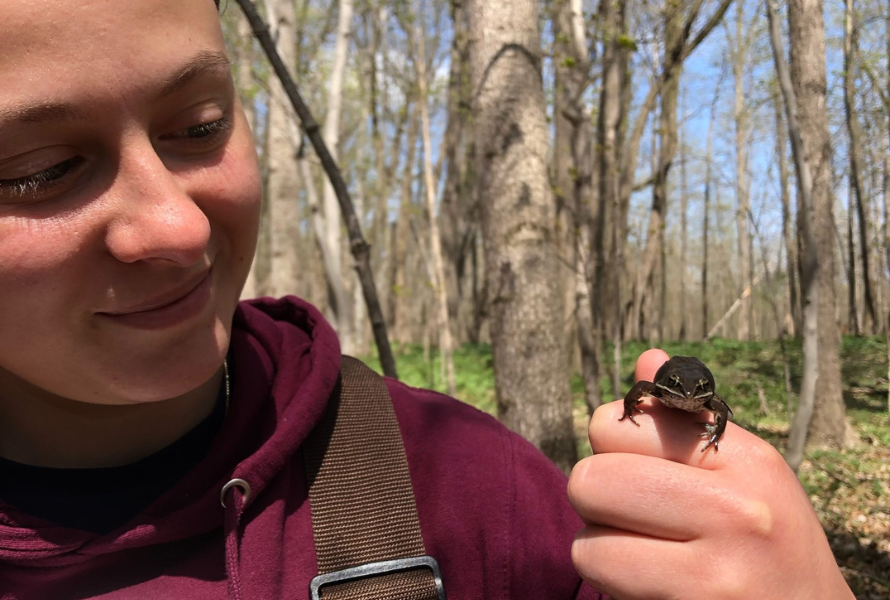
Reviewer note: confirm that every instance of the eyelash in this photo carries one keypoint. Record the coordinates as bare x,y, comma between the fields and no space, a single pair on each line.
43,181
207,131
40,182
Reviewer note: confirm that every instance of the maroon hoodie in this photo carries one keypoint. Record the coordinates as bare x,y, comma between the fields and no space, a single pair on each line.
493,511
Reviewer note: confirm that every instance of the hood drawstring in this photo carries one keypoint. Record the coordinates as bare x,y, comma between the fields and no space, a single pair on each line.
240,497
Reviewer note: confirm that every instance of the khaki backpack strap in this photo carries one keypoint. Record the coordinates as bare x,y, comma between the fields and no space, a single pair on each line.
364,518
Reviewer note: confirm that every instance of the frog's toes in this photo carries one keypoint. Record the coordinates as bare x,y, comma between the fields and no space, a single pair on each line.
630,415
712,435
709,429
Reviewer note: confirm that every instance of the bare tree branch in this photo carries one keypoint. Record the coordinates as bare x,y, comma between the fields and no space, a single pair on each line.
360,248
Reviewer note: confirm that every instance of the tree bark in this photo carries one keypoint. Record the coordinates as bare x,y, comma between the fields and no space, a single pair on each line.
684,209
793,320
648,317
444,321
331,135
284,179
398,294
706,224
574,185
243,59
738,51
808,74
457,227
856,161
809,282
530,366
612,221
852,316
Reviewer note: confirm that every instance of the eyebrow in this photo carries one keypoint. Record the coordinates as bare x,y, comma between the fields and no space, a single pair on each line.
202,64
208,62
41,113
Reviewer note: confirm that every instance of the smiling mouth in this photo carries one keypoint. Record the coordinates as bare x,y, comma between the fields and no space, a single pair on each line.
166,310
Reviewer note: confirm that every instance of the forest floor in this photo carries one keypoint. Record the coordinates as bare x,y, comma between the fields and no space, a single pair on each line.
849,488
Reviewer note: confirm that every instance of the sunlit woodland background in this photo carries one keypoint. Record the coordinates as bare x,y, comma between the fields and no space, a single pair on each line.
547,188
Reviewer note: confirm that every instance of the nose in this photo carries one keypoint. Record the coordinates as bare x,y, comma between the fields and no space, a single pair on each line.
688,394
154,219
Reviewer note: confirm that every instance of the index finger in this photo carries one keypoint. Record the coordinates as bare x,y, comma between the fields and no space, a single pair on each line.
648,364
663,432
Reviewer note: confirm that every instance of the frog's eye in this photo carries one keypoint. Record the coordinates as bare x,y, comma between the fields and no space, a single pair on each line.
675,379
703,384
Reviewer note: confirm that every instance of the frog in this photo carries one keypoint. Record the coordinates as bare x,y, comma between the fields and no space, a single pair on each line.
683,382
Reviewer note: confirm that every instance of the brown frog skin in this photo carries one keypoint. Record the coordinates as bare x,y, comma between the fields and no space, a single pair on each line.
683,382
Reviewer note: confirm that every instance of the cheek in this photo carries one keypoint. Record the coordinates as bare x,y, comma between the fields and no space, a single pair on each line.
38,256
235,196
44,287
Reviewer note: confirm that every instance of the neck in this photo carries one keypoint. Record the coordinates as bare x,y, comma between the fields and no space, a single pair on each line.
43,429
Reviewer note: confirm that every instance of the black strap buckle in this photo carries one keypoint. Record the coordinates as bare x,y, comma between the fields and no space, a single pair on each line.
378,568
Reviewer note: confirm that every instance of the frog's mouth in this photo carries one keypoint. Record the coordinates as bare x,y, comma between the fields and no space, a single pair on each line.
679,395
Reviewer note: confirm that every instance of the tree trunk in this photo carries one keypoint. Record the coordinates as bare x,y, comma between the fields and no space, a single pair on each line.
738,50
810,260
574,187
808,74
530,366
331,135
444,321
706,224
375,19
793,321
398,295
650,270
684,209
457,228
852,317
243,61
856,162
284,179
610,226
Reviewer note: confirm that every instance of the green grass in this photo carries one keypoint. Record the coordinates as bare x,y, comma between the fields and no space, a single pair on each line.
741,370
472,366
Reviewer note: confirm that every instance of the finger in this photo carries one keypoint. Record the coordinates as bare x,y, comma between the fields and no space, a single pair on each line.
674,435
648,364
618,563
661,432
644,495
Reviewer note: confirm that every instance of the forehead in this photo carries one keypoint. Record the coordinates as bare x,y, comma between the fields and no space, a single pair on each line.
58,47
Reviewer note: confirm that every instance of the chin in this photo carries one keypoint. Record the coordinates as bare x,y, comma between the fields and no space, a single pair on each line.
174,373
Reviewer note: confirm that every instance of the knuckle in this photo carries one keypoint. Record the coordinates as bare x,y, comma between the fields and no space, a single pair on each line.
756,518
578,480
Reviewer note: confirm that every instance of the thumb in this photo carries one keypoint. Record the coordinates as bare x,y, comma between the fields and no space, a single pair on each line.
648,364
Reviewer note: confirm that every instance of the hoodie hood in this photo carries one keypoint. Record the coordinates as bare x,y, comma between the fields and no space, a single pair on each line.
285,360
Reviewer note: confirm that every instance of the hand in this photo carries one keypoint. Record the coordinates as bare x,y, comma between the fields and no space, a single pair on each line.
667,521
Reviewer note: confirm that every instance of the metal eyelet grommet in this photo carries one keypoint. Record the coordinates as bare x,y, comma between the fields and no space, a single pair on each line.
245,489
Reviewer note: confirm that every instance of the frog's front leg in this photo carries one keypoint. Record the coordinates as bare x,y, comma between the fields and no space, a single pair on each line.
722,414
642,388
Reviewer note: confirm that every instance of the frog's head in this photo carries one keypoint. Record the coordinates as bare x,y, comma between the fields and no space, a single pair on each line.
685,377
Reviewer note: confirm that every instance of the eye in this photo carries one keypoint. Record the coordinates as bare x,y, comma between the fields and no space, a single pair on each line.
40,182
208,129
703,384
203,134
675,379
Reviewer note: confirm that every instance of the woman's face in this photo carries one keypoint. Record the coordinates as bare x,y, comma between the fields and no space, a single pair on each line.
129,198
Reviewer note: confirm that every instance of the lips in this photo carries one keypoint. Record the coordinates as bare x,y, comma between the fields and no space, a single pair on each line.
167,309
162,300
